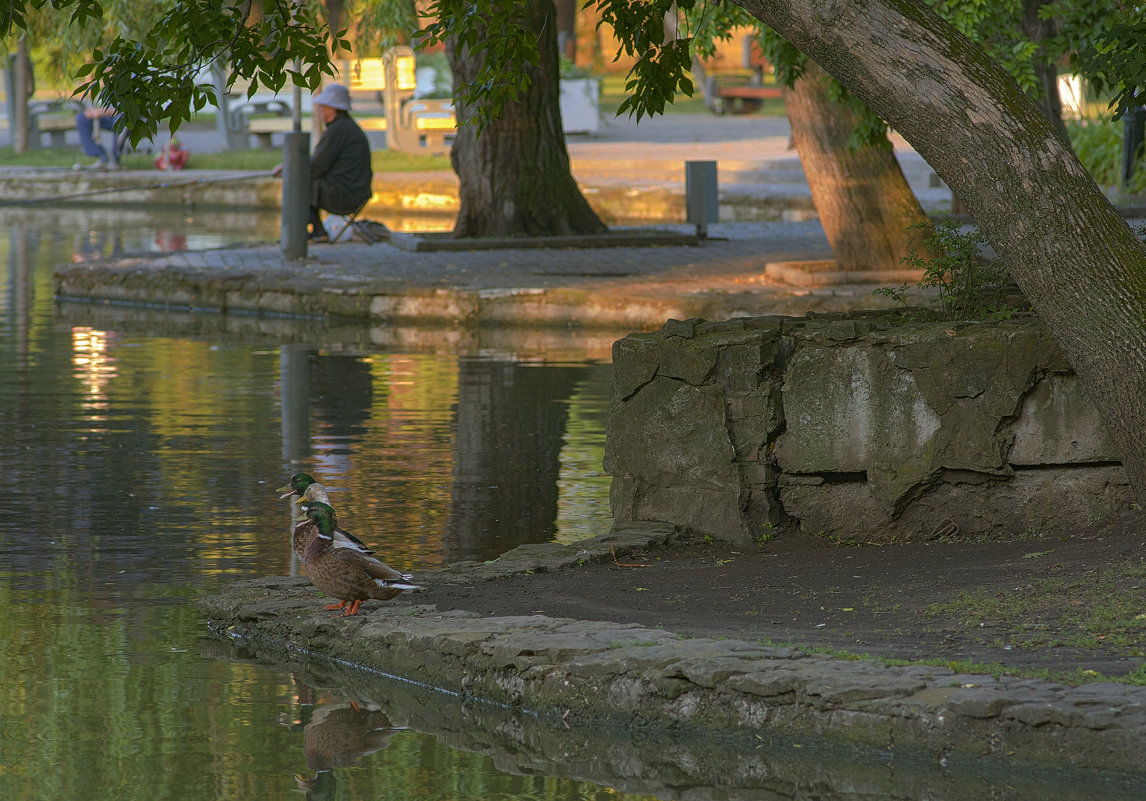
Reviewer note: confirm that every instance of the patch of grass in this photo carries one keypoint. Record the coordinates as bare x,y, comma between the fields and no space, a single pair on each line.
613,93
996,670
631,644
241,160
1082,612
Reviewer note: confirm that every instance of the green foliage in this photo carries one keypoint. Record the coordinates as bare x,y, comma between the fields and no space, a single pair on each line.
508,50
662,68
1117,60
969,287
382,24
1098,146
1106,42
151,76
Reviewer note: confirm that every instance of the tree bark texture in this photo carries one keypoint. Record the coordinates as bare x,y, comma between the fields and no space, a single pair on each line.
1074,257
515,178
865,205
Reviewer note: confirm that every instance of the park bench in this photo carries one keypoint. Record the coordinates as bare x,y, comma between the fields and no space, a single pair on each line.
55,118
415,125
412,125
264,128
744,91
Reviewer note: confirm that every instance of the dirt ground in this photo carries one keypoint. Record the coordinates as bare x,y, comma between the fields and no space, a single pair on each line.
1066,605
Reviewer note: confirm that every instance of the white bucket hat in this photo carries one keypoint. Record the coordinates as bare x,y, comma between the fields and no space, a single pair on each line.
334,95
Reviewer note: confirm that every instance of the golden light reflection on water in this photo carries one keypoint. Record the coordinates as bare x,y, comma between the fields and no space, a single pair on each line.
94,367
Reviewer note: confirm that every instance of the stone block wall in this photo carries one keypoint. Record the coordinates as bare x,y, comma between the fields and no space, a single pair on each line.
857,427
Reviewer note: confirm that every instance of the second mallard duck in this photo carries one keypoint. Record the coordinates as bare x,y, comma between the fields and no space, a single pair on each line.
345,573
306,528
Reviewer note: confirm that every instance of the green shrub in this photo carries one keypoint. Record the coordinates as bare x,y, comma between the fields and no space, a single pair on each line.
1098,146
968,286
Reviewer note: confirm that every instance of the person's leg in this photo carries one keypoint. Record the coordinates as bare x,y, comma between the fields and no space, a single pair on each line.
109,124
84,129
317,229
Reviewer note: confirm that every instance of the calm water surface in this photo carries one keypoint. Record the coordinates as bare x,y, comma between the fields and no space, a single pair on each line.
139,472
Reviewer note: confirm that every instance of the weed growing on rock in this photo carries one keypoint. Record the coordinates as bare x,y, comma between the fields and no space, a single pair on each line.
969,286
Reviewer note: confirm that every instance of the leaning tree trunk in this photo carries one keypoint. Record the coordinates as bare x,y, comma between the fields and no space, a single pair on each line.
514,177
865,205
1068,249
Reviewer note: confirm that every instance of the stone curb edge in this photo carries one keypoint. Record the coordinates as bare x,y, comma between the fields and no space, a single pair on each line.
592,672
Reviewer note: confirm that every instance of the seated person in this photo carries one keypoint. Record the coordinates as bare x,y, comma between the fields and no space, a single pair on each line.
340,174
88,123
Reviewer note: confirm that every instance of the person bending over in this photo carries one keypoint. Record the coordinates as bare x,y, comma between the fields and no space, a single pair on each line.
340,174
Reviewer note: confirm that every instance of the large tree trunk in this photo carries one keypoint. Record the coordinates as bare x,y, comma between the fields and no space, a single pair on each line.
1068,249
864,202
514,177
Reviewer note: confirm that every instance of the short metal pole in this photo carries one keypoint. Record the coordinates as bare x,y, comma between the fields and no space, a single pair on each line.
296,194
702,197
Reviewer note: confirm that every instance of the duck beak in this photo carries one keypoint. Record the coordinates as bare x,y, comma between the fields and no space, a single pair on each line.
286,491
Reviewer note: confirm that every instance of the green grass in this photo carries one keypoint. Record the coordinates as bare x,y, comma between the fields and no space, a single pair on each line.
996,670
613,92
244,160
1094,609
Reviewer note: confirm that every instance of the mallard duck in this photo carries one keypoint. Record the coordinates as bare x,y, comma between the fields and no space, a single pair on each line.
304,487
345,573
306,528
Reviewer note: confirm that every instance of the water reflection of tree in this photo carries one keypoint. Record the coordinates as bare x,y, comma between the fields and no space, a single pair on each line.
510,427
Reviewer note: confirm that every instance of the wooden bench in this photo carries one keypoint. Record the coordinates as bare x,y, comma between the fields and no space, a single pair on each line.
55,118
723,97
264,128
55,126
744,91
417,125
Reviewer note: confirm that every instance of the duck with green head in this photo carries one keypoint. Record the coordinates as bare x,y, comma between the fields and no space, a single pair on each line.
306,528
304,487
345,573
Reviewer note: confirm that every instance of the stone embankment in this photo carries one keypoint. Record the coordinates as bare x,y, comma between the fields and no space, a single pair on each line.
859,427
590,674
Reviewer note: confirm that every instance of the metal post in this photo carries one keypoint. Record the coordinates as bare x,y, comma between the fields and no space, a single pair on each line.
294,389
1133,126
296,194
702,199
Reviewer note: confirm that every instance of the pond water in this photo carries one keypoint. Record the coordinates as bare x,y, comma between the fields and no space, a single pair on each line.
140,461
140,450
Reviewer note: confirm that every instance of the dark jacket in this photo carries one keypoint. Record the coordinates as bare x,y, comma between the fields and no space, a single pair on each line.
340,174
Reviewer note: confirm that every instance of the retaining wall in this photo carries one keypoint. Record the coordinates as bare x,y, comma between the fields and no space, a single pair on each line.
859,427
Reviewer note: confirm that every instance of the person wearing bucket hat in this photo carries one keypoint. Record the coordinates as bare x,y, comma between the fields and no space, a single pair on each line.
340,174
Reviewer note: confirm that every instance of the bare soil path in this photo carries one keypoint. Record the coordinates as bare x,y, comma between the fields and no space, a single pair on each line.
1063,605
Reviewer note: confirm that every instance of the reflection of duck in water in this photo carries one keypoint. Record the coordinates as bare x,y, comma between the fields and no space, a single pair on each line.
346,573
337,736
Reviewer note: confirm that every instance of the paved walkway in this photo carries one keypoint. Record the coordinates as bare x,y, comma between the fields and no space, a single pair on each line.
616,288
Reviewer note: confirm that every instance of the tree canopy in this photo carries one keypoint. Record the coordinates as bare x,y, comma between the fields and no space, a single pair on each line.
152,52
